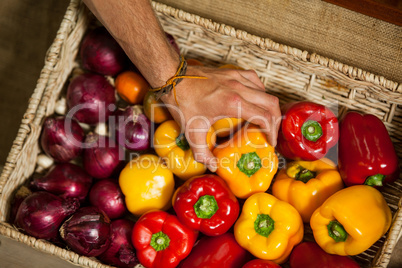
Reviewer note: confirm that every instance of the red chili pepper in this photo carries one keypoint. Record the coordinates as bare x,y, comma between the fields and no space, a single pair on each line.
161,240
205,203
309,254
308,130
366,153
217,252
258,263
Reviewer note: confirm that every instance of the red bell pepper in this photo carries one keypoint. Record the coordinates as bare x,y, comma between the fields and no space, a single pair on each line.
161,240
258,263
205,203
309,254
366,153
308,130
216,252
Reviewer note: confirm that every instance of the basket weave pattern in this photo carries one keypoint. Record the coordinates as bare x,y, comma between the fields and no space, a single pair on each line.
289,73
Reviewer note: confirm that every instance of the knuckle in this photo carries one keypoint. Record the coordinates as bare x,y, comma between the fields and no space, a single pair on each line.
234,84
199,157
275,100
234,99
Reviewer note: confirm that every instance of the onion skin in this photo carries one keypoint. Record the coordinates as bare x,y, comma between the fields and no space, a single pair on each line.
100,53
90,98
22,193
87,232
121,252
133,129
172,42
107,196
101,158
42,213
60,144
65,180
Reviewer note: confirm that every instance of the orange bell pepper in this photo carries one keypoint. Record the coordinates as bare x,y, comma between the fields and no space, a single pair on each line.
307,184
247,162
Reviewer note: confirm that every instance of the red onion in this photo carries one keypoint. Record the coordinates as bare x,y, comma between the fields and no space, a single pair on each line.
172,41
65,180
133,129
101,53
101,158
22,193
107,196
87,231
62,138
90,98
42,213
121,252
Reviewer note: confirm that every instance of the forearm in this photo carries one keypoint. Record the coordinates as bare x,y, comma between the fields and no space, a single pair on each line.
135,27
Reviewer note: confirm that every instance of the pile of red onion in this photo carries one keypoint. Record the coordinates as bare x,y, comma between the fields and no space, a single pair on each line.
75,200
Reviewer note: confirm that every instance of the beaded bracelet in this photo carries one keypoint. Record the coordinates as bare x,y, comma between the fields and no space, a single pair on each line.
174,80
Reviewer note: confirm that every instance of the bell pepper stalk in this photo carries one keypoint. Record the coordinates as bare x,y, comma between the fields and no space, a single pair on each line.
171,144
351,220
268,227
147,184
161,240
309,254
205,203
307,184
247,162
308,130
366,153
258,263
216,252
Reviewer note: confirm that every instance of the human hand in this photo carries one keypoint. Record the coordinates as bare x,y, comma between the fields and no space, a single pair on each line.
225,93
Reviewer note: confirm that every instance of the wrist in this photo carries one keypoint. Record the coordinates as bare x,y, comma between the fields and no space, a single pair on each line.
166,69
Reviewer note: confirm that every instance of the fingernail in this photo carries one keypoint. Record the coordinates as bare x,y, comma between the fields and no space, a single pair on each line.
212,168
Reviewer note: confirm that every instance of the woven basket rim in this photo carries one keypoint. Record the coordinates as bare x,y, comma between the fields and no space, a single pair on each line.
268,44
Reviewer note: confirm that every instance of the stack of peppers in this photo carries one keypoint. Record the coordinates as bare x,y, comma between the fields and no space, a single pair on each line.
238,223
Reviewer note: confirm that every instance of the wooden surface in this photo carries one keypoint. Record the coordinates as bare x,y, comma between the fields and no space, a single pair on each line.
16,255
387,10
27,29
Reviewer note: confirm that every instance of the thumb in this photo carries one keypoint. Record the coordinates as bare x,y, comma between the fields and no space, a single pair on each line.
197,139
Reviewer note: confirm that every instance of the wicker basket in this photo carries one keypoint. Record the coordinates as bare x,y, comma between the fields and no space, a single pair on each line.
287,72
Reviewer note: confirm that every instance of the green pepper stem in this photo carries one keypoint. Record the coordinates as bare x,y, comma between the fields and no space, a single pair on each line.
375,180
305,175
182,142
336,231
159,241
206,207
264,225
311,130
249,163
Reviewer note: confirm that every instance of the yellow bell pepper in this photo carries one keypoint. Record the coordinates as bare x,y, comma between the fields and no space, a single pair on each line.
146,184
268,227
171,144
247,162
307,184
351,220
226,126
